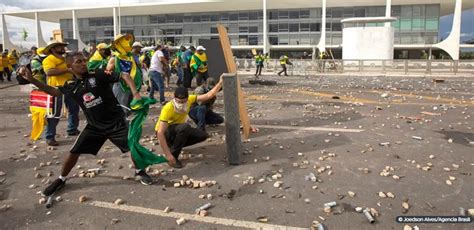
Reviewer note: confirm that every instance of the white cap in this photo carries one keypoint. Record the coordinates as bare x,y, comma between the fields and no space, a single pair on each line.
200,48
137,44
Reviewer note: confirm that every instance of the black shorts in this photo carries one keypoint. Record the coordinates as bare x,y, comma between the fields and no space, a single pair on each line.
91,139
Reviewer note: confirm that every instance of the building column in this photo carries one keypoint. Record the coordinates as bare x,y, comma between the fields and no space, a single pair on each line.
322,40
75,32
39,34
265,32
451,43
388,12
116,26
7,44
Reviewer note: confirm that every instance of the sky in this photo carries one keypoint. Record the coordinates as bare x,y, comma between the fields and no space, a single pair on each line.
16,25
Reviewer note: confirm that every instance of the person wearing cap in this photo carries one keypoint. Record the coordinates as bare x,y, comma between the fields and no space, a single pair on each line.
201,112
33,50
198,65
124,61
172,130
13,58
156,73
166,67
6,67
179,65
37,65
187,75
58,73
100,58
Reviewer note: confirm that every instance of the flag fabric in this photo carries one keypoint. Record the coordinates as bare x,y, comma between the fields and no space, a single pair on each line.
141,155
39,104
96,62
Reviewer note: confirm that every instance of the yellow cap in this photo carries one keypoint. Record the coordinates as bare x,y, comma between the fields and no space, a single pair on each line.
41,51
102,46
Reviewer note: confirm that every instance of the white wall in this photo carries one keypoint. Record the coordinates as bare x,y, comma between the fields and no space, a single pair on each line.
367,43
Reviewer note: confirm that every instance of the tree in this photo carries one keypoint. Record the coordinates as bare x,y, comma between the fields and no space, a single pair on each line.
24,34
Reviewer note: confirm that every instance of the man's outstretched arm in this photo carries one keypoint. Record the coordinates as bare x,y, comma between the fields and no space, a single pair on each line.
26,74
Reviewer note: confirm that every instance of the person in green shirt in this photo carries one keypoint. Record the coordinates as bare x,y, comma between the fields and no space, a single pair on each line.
259,58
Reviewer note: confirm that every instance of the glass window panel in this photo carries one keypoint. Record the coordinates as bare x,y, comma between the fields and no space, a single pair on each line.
315,27
294,14
314,39
253,29
178,18
273,14
432,11
273,40
196,18
336,26
432,24
234,16
243,16
283,39
419,11
396,11
304,14
371,11
294,27
243,29
283,14
337,12
294,39
406,11
205,18
243,40
282,27
253,15
273,27
224,17
405,24
405,39
359,12
418,24
371,24
214,30
336,39
214,17
304,27
396,24
253,40
187,18
304,39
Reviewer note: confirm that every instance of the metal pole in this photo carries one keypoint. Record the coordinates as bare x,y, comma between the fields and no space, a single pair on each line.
232,120
406,67
265,39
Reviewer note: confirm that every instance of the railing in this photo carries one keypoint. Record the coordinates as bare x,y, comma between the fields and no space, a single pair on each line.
308,67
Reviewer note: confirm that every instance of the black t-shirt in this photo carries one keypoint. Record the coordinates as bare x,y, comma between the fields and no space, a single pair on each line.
93,93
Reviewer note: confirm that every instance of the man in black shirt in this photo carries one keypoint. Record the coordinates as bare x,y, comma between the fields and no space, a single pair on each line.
105,118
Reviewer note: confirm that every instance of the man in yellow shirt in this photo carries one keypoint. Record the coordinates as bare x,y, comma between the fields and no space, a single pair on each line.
6,68
58,72
172,130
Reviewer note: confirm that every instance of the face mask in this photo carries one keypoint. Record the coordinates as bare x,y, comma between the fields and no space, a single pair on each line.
180,107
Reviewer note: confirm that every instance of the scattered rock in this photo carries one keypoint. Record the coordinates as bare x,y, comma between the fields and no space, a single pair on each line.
114,221
203,213
119,201
42,200
167,209
180,221
351,193
83,198
382,194
2,173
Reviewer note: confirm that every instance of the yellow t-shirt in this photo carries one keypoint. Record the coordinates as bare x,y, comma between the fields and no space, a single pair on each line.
169,116
52,62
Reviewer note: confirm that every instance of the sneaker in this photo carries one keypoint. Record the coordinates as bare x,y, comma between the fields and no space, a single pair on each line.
178,164
145,179
53,187
52,142
74,133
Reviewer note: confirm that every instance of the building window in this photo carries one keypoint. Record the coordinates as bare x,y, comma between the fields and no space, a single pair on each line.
431,24
196,18
304,27
214,30
405,24
283,40
304,14
294,27
406,11
282,27
294,14
205,18
243,29
273,40
418,24
336,12
243,40
253,15
253,29
419,11
253,40
273,14
432,11
359,12
224,17
234,16
274,28
214,17
336,26
315,27
243,16
283,14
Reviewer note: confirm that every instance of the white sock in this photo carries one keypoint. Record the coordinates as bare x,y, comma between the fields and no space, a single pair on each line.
62,178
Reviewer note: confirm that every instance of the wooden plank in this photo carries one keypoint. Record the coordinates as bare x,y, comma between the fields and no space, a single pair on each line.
232,68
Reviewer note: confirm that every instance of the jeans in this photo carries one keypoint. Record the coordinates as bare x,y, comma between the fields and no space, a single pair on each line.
258,72
157,83
72,118
123,98
180,73
179,136
187,77
202,115
283,66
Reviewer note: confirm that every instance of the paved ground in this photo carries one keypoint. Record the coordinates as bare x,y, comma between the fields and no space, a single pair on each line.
330,126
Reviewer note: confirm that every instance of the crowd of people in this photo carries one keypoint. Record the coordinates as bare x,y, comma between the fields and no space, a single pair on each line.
108,85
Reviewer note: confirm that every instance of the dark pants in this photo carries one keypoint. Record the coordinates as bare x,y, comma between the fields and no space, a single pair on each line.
72,118
7,72
188,77
283,70
202,115
259,70
180,73
179,136
201,78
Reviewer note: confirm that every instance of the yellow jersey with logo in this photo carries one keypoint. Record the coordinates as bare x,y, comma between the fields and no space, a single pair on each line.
53,62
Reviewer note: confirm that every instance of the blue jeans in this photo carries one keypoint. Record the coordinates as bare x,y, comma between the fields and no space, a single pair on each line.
157,83
202,115
72,118
180,73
